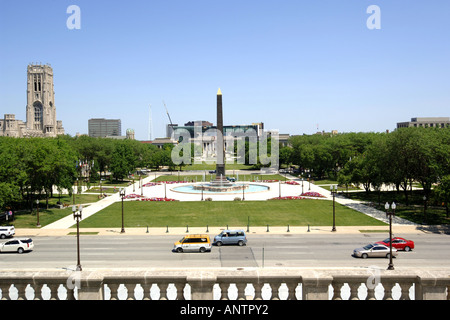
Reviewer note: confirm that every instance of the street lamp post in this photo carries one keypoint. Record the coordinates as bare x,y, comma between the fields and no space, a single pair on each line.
37,213
309,180
333,192
122,195
390,214
424,209
77,216
302,185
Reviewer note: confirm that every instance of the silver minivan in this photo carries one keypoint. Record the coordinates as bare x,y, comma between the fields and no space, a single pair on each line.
230,237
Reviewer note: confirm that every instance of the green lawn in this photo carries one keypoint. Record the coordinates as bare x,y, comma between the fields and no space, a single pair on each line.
414,211
222,213
27,219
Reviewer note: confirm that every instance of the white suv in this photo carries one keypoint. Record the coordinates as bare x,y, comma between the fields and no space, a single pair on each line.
17,245
7,232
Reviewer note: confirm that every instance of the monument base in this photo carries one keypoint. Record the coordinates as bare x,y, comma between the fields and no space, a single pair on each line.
220,184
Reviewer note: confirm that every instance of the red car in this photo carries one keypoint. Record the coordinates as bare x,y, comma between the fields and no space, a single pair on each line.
399,243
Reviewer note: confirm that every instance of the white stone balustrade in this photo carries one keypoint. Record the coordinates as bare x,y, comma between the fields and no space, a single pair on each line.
227,284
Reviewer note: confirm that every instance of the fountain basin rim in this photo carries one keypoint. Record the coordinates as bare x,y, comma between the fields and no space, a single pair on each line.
234,191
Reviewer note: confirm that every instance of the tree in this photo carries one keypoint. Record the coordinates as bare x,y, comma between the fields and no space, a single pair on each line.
123,160
442,192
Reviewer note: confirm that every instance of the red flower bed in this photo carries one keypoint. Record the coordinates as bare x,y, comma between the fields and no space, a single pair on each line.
288,198
133,196
156,199
312,194
151,184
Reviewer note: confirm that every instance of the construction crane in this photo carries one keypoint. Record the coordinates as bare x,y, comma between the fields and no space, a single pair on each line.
168,115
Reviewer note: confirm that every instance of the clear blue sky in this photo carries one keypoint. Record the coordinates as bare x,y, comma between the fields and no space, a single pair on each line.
294,65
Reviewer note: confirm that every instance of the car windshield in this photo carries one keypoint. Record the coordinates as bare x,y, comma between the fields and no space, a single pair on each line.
368,247
26,240
386,240
182,239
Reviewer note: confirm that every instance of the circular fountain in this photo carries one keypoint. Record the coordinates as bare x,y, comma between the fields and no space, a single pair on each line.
206,188
220,186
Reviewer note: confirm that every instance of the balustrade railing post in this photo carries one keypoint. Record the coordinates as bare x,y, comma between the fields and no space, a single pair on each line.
432,288
337,285
275,286
113,288
202,285
388,285
146,287
5,290
404,286
292,286
37,288
21,290
130,290
163,290
180,290
315,287
258,290
70,293
241,290
224,290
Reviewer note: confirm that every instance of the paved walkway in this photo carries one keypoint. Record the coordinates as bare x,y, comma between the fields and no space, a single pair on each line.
275,189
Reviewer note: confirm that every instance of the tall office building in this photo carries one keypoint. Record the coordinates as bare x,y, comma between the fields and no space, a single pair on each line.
101,127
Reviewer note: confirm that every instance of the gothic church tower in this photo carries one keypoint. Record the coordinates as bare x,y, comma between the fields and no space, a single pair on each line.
41,113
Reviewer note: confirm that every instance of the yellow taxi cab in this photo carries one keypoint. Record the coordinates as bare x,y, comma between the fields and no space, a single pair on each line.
193,243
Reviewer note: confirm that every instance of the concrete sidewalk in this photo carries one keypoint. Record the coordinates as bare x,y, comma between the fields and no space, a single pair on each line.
273,230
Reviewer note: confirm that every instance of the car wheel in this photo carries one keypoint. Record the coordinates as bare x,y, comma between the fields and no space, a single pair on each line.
219,243
388,255
179,250
20,250
3,236
240,243
407,249
202,249
364,256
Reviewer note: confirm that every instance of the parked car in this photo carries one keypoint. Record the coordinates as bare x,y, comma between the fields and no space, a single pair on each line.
193,243
8,231
230,237
398,243
17,245
373,251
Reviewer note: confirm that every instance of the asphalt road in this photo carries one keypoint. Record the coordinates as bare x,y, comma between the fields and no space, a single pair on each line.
290,250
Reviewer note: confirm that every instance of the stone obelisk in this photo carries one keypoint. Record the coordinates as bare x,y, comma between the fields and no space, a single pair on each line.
220,151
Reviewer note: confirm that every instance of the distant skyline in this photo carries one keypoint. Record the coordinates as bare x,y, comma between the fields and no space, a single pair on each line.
297,66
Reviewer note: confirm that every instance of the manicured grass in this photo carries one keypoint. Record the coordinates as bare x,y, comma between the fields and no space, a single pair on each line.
414,211
222,213
27,219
